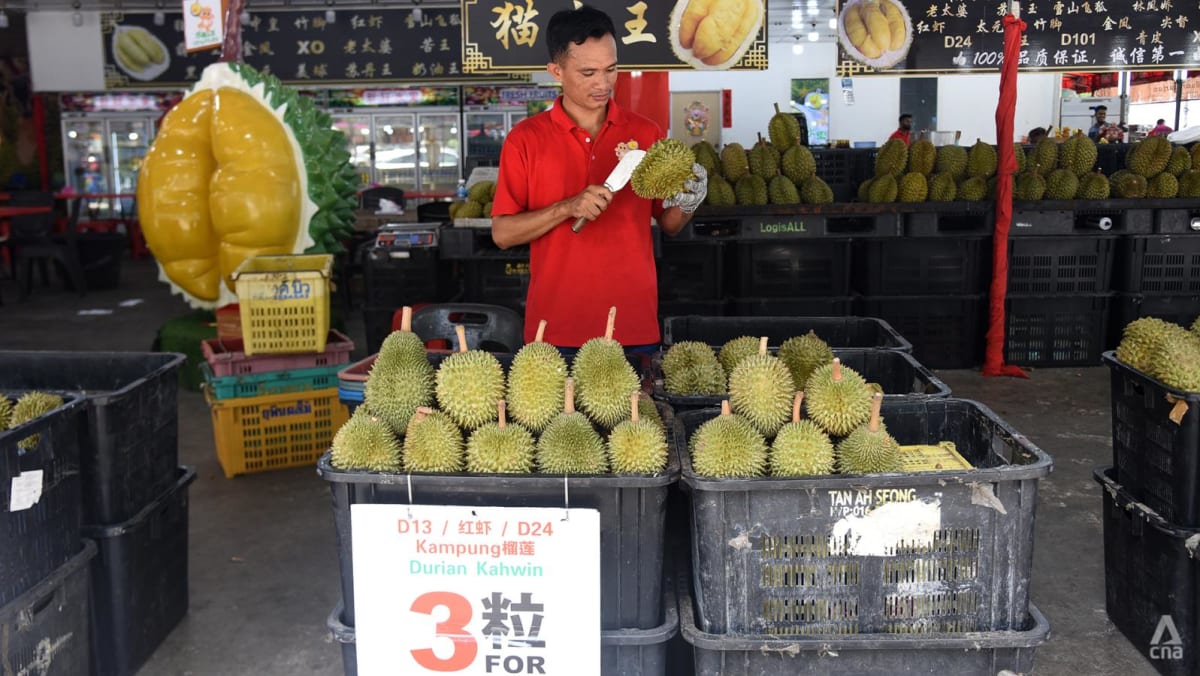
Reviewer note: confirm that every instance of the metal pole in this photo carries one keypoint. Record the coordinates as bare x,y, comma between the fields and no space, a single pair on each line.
1179,77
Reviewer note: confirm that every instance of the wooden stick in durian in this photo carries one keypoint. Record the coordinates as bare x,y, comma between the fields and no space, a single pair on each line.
725,410
500,408
876,404
762,345
541,331
633,406
422,412
612,322
462,337
406,318
837,370
569,396
796,405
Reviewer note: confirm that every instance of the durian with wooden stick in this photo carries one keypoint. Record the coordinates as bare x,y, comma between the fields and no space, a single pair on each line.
838,398
570,444
803,355
735,350
469,384
728,446
500,447
637,445
801,448
432,443
535,383
365,442
869,449
401,379
760,389
604,378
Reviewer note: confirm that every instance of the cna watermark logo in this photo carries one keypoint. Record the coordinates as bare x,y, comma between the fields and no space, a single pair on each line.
1166,643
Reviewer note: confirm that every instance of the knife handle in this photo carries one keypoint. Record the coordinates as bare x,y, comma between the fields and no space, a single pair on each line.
579,223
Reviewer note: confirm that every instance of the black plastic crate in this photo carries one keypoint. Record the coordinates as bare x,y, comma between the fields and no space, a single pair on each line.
497,281
803,221
948,219
862,332
1177,216
623,652
922,265
130,436
140,581
946,331
813,306
44,631
1124,216
1180,309
1038,218
928,552
896,372
1160,264
37,540
1150,580
1157,459
469,243
1056,330
708,308
981,654
691,271
1067,265
405,277
785,269
632,520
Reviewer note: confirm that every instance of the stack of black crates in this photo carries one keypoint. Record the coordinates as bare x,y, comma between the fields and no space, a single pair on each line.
397,276
95,527
1158,273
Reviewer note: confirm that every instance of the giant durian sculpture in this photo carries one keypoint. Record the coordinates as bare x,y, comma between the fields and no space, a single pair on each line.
242,166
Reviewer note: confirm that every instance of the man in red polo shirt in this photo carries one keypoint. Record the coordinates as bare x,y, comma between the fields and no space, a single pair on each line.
904,131
552,171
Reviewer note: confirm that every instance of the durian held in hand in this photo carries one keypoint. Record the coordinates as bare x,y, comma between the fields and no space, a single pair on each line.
570,444
469,384
761,390
535,383
669,172
869,449
401,379
637,445
500,447
800,447
604,378
728,446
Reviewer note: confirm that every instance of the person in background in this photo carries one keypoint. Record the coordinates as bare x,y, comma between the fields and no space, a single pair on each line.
1037,134
1101,114
552,169
1160,128
904,131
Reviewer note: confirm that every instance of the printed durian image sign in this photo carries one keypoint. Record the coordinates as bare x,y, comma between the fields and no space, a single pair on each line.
930,37
505,36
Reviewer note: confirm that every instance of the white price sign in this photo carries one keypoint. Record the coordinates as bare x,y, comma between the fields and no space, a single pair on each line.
476,590
203,24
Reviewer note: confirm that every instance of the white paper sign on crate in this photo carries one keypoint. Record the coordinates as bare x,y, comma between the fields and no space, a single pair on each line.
476,590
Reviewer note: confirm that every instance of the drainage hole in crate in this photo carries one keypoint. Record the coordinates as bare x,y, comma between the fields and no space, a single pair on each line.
797,616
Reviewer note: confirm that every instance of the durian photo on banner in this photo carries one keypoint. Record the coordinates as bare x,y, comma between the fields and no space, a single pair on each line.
696,117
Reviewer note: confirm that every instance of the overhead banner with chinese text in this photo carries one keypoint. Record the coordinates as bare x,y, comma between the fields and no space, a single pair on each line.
908,37
362,46
507,36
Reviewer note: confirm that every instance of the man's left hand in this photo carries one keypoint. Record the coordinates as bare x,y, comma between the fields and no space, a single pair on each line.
694,190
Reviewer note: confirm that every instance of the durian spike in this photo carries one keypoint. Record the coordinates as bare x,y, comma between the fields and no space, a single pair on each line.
406,318
762,345
500,407
633,404
422,411
837,370
876,404
725,410
612,322
540,332
462,337
569,397
796,405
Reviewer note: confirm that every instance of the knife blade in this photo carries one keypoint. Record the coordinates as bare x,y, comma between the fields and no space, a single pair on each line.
617,178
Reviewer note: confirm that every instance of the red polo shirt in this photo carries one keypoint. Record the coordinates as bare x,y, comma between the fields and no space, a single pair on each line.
900,134
576,277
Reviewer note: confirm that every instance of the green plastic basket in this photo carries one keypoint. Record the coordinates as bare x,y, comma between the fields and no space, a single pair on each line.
271,382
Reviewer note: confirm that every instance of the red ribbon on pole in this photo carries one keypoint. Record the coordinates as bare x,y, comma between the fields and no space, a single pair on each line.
993,363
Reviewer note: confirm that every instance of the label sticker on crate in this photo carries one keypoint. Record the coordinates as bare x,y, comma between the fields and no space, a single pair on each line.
26,490
476,590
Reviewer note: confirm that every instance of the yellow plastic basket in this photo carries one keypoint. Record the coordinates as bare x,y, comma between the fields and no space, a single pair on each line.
284,302
258,434
940,458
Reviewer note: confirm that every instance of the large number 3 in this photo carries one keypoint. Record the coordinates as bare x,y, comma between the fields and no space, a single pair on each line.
453,628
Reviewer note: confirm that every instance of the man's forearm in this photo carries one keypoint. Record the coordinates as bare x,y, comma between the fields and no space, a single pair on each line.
517,229
672,220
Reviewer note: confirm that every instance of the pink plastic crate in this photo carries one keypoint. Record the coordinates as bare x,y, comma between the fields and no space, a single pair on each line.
227,358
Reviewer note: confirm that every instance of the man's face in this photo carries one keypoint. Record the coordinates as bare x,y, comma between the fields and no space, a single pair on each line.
906,123
588,72
1101,115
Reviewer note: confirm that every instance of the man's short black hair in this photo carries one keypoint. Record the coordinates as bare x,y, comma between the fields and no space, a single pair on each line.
576,26
1161,121
904,115
1100,108
1036,132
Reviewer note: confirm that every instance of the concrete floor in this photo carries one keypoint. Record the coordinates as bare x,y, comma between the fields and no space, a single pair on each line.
263,564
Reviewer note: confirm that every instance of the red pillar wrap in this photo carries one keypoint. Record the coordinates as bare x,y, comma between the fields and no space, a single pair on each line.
647,93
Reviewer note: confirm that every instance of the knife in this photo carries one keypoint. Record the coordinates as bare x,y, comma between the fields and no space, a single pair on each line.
618,178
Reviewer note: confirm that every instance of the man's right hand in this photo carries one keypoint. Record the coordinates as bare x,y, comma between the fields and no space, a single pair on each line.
590,203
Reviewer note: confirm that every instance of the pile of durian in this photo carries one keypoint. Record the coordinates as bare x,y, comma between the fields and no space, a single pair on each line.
469,416
478,203
761,430
926,173
28,407
1154,168
1163,350
774,171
